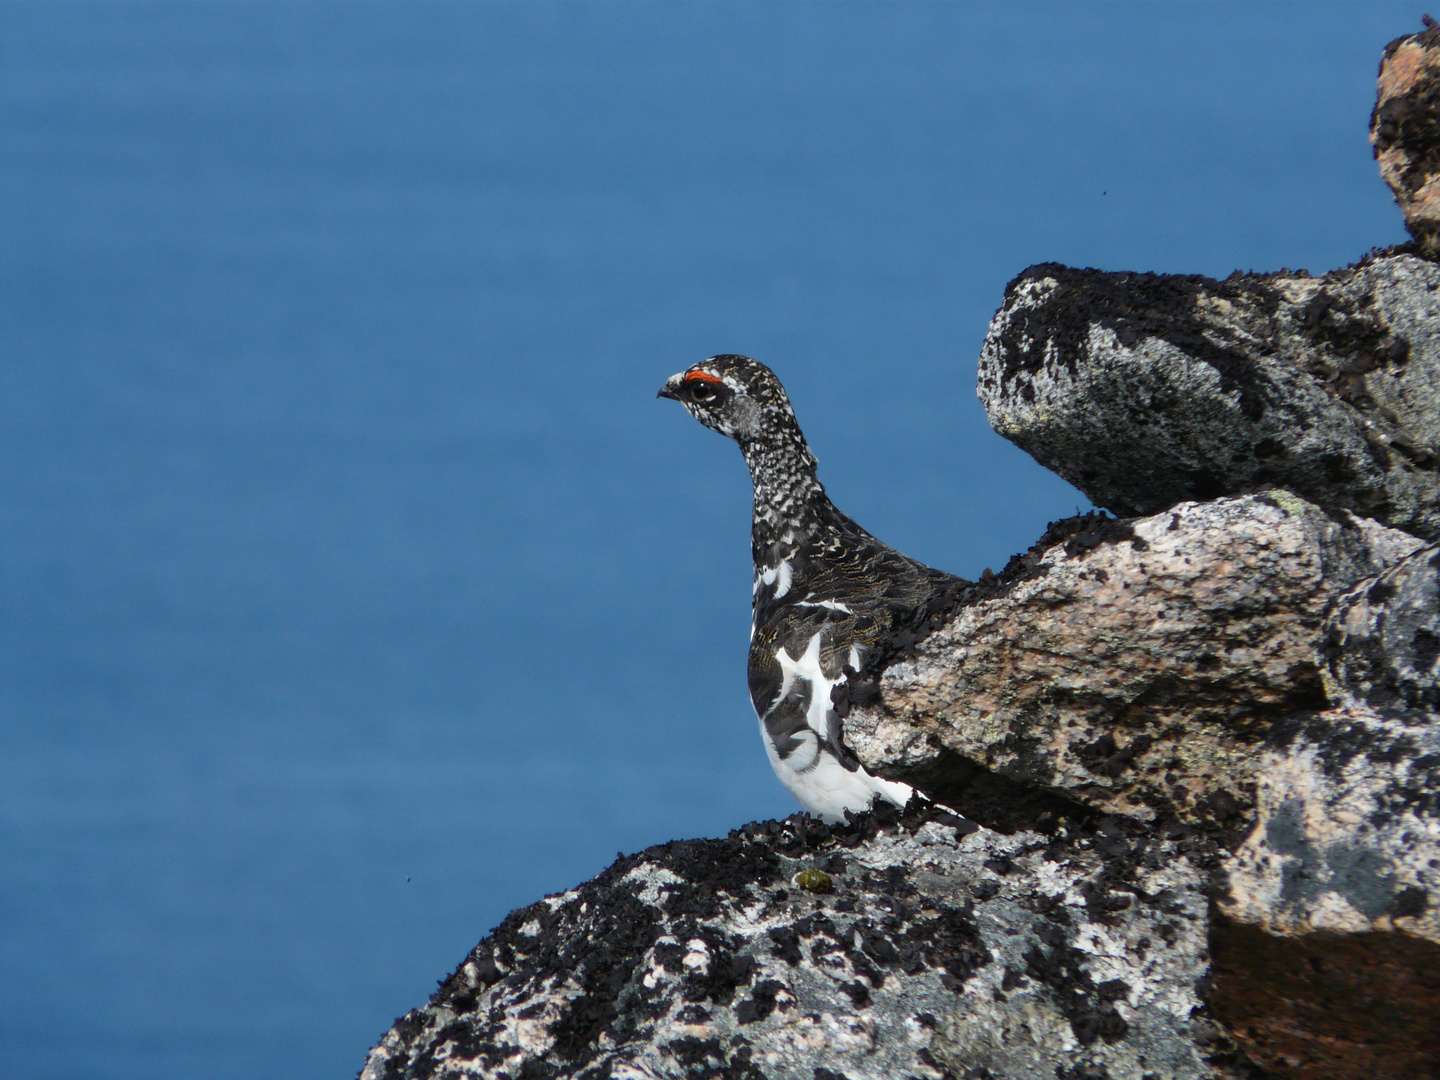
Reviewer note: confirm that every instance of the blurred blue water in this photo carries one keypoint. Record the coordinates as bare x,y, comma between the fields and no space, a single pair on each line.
354,588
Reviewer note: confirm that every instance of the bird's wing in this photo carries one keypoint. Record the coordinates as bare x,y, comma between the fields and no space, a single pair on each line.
819,609
795,664
871,577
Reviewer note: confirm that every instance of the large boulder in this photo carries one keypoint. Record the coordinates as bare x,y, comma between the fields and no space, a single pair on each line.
1337,887
1327,937
1145,390
1254,671
1137,669
918,947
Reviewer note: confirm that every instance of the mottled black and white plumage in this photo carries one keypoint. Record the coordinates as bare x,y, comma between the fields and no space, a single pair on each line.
826,592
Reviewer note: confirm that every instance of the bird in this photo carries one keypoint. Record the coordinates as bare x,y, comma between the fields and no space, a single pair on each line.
826,593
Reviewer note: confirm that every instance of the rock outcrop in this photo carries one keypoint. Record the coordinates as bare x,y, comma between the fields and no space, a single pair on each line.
905,947
1140,675
1347,835
1144,390
1404,131
1330,922
1252,670
1186,761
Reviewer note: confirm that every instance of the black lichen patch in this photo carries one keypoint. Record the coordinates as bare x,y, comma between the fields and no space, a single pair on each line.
1061,967
1105,757
1409,902
709,1059
716,866
760,1004
1348,339
1135,307
1425,647
1094,529
725,972
786,944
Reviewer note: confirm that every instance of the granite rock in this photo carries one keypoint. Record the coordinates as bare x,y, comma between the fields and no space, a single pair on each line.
1405,131
1347,835
1327,932
1382,641
1326,935
1252,670
1139,673
1145,390
915,946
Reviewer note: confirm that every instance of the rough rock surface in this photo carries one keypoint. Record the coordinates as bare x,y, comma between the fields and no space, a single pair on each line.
1257,887
1144,390
1337,888
1138,675
1405,131
914,947
1327,944
1252,669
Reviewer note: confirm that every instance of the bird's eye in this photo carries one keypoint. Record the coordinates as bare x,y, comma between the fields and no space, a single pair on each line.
700,391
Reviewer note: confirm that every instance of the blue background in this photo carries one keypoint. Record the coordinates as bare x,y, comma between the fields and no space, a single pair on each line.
355,588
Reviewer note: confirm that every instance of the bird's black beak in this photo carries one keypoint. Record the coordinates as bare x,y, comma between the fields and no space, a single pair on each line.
671,389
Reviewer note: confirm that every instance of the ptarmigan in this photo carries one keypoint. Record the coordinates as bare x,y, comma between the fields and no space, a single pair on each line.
826,592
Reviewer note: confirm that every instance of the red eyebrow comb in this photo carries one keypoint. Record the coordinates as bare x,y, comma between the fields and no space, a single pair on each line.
701,376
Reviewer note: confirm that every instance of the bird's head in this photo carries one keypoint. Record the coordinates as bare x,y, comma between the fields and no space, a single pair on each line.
735,396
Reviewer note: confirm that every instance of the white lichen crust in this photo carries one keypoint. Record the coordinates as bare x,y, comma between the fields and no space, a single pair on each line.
940,948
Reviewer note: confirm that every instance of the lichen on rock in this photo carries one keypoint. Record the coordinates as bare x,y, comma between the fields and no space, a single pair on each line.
943,950
1405,130
1347,834
1144,390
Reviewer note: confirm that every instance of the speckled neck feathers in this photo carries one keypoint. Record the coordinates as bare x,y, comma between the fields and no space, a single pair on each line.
790,502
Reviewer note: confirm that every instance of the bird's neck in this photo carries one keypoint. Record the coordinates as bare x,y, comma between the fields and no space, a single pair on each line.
790,501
